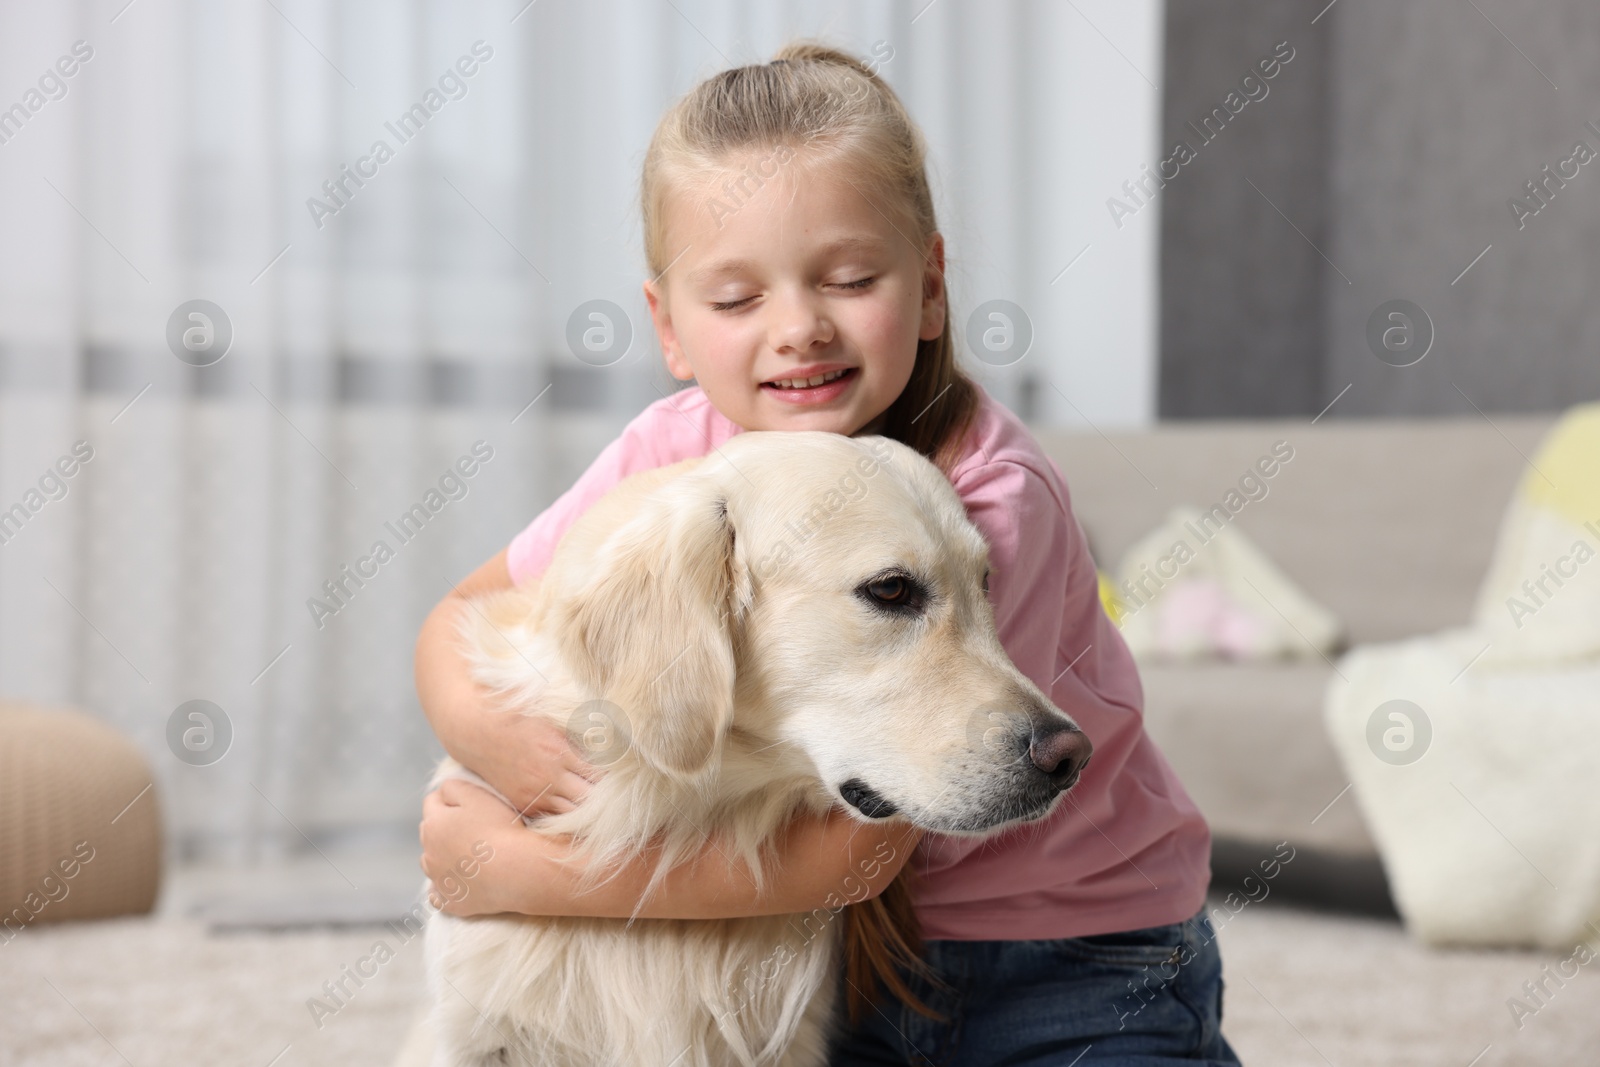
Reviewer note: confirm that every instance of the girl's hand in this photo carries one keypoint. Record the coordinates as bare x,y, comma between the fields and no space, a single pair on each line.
468,836
532,762
529,760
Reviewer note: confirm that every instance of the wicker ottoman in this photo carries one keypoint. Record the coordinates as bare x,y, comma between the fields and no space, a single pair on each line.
80,830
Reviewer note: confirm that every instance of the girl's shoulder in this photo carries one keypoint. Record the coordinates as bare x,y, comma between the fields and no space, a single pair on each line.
1002,457
681,425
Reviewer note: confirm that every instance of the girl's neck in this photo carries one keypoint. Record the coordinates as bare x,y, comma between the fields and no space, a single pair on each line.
875,426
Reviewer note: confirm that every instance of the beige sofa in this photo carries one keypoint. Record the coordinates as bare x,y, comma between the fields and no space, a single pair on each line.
1388,523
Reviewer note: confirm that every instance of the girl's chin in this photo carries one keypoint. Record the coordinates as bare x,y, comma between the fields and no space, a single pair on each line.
837,420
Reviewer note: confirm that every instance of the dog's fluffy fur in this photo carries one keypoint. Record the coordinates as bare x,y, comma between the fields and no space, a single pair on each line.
719,628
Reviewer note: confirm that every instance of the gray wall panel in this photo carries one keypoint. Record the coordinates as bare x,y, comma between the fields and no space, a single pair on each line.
1241,289
1438,120
1395,148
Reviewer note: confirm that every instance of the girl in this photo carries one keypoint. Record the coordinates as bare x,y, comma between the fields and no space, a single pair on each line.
798,278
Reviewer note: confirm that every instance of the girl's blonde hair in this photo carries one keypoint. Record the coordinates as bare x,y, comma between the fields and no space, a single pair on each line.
826,103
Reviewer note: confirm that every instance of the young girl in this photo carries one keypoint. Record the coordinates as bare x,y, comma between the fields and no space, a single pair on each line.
798,278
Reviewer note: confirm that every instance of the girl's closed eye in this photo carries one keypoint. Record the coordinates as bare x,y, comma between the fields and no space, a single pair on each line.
857,285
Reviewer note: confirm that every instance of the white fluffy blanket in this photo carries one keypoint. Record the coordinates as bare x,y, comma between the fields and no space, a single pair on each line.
1473,751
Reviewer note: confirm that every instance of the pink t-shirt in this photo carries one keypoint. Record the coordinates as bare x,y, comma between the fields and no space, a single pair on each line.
1126,848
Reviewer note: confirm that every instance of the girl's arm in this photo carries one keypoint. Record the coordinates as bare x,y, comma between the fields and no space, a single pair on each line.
820,862
530,760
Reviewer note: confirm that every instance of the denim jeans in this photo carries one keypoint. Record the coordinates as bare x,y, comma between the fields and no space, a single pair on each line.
1140,998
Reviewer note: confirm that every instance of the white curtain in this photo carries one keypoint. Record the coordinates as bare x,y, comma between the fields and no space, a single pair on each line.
381,336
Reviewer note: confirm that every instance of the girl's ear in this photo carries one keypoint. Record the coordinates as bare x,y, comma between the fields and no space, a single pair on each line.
653,633
655,295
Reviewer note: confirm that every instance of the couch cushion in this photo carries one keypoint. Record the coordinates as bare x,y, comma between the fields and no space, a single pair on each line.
1247,742
1389,523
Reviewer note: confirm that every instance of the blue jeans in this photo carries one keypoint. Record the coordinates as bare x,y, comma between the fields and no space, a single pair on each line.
1140,998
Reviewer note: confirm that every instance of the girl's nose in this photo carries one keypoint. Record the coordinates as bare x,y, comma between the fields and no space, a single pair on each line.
798,322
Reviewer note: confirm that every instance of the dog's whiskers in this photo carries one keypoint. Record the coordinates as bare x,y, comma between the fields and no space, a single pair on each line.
763,748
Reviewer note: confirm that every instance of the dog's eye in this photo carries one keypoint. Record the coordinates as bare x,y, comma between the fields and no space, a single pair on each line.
986,582
890,590
893,592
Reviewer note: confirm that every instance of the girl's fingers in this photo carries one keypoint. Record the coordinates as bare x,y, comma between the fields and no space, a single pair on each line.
431,803
575,763
574,787
572,753
565,793
560,806
561,796
456,793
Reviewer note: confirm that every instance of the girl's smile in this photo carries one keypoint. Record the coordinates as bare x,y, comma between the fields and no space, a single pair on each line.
815,384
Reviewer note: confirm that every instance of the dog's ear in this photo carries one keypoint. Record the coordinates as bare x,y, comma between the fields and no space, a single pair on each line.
652,633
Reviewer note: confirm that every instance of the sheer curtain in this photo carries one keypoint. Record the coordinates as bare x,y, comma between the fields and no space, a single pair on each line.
393,318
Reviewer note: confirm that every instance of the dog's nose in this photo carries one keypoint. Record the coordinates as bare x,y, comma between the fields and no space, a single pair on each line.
1060,752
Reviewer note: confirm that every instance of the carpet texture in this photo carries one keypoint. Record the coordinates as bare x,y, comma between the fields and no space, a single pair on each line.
1302,989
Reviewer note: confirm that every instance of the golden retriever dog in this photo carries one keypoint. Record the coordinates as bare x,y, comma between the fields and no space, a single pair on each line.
796,621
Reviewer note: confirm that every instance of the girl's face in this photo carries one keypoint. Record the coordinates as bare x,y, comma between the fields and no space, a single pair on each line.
800,279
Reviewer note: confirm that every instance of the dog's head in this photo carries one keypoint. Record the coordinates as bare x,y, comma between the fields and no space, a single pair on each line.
826,596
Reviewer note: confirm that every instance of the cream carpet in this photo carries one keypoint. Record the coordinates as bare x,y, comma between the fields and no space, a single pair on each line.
1302,989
